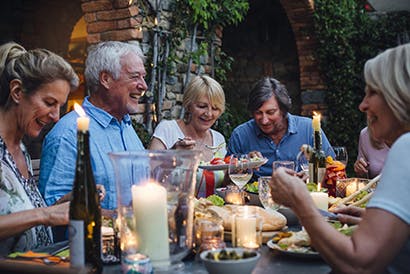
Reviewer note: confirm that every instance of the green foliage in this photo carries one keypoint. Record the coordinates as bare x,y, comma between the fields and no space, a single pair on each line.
348,36
142,132
230,119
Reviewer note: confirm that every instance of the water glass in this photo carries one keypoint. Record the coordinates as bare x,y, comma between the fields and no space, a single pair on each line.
285,164
265,195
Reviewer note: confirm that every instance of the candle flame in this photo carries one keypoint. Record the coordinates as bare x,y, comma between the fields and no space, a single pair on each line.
156,21
80,111
316,114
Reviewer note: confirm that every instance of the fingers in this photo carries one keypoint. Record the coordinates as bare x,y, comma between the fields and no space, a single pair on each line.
348,219
255,153
185,143
101,192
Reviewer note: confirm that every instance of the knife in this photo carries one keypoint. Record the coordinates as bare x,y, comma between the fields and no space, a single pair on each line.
327,214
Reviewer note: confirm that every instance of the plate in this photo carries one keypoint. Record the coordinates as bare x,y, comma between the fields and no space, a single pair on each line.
308,254
251,164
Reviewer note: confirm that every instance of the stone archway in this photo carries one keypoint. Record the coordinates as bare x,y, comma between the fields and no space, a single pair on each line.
276,39
300,15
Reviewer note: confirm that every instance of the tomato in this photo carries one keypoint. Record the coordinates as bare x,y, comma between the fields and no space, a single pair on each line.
227,159
217,161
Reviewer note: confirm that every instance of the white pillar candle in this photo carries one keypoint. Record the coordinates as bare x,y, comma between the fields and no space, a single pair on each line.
320,199
149,203
316,122
83,122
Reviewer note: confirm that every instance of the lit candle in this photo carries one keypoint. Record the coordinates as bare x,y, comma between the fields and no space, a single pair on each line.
149,203
235,198
316,121
245,226
321,199
83,122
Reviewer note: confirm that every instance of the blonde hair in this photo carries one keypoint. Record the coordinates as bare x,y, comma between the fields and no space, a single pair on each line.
201,86
389,74
33,68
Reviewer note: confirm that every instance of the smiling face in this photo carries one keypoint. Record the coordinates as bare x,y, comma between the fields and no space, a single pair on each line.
41,107
383,124
270,118
203,113
124,92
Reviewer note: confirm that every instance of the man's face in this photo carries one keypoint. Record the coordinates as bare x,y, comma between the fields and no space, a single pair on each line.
269,117
129,87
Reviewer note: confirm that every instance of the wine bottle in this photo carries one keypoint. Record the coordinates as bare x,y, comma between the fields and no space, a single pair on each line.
317,161
85,210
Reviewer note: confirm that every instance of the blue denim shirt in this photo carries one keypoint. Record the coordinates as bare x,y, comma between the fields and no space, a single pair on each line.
248,137
59,152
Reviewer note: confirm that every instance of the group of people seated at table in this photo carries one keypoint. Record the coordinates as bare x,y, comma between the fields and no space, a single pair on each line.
36,83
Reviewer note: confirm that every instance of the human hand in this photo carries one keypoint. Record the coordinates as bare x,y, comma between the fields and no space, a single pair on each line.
101,192
361,167
185,143
254,154
285,186
349,214
56,214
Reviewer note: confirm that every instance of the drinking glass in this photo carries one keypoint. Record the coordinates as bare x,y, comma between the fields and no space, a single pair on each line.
341,154
285,164
239,170
302,163
265,195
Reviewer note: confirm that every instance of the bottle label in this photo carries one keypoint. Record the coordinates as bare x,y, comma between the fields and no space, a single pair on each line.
76,234
321,171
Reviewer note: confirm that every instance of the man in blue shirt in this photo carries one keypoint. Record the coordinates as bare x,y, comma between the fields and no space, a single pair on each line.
273,132
114,75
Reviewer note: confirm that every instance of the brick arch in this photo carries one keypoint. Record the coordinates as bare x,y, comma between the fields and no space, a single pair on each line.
300,15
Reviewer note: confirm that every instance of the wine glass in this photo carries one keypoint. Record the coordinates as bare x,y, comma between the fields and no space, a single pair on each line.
265,195
302,163
341,154
239,170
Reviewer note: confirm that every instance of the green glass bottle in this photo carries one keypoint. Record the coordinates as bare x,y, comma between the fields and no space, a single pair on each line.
85,211
317,161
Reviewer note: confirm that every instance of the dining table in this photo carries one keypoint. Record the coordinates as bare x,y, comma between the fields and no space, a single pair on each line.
271,261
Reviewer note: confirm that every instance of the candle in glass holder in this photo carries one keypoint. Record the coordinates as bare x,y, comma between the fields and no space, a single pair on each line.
149,203
246,229
234,195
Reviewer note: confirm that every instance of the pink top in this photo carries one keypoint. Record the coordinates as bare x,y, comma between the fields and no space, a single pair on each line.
374,157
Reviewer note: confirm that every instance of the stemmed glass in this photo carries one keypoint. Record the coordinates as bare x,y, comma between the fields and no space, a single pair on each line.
302,163
239,171
341,154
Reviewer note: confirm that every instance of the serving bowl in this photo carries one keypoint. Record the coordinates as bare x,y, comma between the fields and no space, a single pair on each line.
239,266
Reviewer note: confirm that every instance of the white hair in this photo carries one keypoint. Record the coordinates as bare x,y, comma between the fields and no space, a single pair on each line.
389,74
106,56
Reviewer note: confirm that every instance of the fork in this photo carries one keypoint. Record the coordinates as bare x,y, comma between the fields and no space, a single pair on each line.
215,148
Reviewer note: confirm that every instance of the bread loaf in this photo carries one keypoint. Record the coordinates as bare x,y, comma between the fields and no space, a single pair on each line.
271,220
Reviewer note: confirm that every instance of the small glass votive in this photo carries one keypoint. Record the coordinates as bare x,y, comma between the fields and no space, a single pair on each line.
137,263
246,228
234,195
346,187
209,234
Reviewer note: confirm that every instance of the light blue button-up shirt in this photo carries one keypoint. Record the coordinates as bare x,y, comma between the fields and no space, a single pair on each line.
248,137
59,152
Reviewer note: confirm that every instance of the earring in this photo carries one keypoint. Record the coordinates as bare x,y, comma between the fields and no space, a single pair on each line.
187,117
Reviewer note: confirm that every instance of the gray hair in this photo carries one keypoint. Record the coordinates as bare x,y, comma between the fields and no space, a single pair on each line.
263,90
389,74
33,68
106,56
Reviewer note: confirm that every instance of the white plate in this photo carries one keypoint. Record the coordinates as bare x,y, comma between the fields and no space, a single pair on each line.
307,254
251,164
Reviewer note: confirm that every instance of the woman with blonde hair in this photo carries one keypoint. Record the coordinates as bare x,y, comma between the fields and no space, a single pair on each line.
380,243
34,84
203,102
